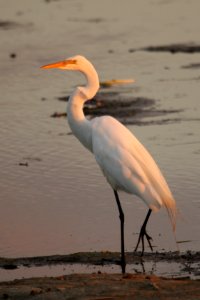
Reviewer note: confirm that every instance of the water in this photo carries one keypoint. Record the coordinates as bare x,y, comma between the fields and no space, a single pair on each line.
165,269
54,199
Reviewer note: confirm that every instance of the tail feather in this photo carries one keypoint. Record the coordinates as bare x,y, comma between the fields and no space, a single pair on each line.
170,206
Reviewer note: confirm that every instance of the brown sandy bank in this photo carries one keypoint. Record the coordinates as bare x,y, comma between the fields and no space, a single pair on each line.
101,287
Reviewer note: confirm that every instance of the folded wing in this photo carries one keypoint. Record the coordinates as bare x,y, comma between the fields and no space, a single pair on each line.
128,166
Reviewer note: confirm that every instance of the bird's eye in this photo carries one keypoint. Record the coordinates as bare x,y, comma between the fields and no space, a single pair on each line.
70,62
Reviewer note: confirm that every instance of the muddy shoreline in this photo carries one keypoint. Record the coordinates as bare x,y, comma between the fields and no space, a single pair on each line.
102,285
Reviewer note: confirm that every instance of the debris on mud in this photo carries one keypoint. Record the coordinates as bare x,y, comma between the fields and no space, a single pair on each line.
115,82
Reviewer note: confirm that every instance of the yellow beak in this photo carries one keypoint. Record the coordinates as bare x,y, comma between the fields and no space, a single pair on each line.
59,64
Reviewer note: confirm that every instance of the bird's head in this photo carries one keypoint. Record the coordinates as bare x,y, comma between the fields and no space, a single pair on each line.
75,63
81,64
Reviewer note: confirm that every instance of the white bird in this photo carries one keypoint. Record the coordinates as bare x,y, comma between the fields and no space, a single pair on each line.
124,161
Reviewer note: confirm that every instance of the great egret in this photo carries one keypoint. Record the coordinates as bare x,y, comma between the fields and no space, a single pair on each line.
124,161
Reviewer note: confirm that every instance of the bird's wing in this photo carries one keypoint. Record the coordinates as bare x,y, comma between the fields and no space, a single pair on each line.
127,165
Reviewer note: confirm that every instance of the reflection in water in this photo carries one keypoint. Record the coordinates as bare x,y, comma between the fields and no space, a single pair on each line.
165,269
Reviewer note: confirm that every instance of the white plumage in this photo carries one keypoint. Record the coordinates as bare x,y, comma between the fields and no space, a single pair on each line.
128,166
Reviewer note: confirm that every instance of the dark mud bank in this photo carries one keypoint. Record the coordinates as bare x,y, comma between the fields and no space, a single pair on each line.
189,48
128,110
99,258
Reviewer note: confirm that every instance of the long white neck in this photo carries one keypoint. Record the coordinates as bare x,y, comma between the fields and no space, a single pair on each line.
80,126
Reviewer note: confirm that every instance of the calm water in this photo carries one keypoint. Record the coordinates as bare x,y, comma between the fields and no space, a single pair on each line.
166,269
60,203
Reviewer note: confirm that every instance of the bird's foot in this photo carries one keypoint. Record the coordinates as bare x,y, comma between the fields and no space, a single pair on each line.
143,234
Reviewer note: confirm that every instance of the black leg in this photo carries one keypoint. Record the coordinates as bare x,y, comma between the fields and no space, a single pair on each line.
121,216
143,233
